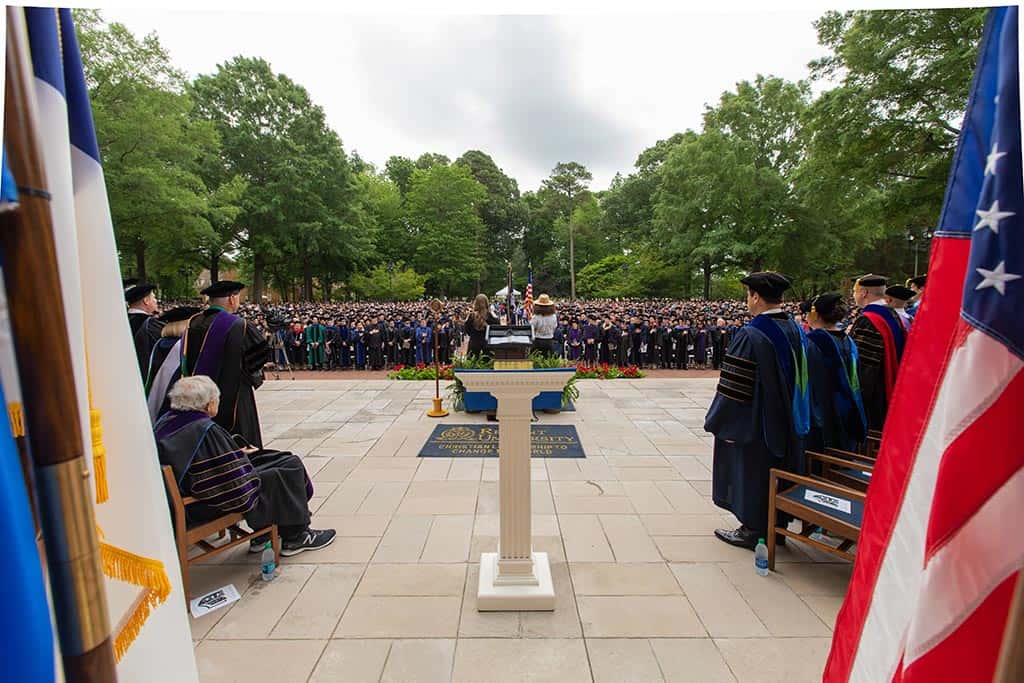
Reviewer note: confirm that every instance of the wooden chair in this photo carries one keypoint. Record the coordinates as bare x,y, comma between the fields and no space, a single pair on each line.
226,525
847,469
873,443
817,504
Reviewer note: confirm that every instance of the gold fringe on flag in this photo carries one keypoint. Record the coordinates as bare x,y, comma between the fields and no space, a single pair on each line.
143,572
17,419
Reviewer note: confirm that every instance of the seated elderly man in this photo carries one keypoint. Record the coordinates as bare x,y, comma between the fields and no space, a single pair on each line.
266,486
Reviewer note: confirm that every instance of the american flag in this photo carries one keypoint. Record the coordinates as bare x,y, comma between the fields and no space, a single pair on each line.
940,549
528,301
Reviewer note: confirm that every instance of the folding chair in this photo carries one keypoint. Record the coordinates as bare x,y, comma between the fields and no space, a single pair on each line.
817,504
226,525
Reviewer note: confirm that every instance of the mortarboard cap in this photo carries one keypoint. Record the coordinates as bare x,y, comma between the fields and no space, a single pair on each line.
770,285
222,289
919,280
180,313
900,292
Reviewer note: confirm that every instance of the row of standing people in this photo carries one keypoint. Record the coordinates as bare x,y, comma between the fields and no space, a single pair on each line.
364,345
783,390
652,344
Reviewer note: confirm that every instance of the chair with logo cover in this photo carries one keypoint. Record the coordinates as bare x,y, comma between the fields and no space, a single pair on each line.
818,504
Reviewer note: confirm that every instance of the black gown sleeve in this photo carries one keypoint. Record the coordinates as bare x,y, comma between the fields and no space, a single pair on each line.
732,414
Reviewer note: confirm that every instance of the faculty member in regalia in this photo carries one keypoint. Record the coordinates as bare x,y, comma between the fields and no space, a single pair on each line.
224,347
761,410
165,360
837,412
880,337
145,327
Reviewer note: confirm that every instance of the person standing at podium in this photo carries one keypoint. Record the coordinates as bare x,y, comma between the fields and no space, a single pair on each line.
476,325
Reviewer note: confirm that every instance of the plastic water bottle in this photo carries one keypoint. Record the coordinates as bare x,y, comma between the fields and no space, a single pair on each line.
267,563
761,558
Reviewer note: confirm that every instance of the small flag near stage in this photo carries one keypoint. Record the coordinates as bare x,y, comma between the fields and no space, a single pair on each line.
936,562
528,301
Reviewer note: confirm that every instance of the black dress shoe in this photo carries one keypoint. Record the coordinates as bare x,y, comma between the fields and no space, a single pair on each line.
741,538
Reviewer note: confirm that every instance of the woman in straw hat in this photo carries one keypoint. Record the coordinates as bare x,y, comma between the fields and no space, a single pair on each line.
544,322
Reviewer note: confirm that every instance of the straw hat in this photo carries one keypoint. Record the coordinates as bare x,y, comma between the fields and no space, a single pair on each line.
544,305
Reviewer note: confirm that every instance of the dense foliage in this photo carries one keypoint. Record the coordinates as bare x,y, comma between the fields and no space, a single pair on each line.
238,169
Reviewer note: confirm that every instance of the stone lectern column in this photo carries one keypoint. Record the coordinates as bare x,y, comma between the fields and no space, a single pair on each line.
515,578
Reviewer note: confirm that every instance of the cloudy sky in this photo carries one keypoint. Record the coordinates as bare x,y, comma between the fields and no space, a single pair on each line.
529,90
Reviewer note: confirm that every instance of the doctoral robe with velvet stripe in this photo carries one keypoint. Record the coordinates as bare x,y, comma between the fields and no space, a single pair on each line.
207,463
236,365
880,352
752,419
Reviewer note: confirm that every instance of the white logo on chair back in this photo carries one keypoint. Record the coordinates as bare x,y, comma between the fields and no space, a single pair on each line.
828,501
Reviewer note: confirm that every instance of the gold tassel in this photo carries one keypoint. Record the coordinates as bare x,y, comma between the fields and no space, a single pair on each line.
17,419
99,451
139,571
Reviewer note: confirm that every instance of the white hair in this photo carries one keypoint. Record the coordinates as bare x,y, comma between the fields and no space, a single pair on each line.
193,393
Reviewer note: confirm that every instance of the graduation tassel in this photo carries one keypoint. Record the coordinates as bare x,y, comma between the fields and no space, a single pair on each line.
99,451
146,573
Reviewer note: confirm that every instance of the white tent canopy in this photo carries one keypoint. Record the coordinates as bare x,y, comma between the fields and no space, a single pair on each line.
503,292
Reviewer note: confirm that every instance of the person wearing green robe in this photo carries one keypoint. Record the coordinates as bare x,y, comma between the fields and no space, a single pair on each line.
315,339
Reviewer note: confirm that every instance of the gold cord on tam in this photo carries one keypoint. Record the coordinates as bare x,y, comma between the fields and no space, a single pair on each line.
17,418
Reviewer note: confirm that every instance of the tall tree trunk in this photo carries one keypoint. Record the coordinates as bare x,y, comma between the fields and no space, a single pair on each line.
757,264
257,278
140,260
214,266
707,277
307,279
572,258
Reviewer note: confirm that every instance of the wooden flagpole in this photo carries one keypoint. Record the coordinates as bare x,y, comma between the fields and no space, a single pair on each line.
1011,654
47,383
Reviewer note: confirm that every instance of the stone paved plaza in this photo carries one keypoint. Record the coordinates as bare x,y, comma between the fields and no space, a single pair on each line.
644,592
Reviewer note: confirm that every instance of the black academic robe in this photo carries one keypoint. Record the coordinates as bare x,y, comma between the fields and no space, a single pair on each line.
239,371
718,337
873,365
836,419
752,419
145,333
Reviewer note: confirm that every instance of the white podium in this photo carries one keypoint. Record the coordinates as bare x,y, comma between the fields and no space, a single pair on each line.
515,578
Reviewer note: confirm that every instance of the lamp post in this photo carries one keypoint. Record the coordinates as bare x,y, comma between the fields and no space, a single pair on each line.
438,410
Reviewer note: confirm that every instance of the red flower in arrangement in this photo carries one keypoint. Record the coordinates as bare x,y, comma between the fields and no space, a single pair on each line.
399,367
420,366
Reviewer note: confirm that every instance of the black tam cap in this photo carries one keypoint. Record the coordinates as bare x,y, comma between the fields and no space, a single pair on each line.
870,280
918,281
827,305
900,292
222,289
133,291
180,313
768,284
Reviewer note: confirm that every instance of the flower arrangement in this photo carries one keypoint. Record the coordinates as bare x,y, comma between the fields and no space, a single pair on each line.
421,371
606,371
